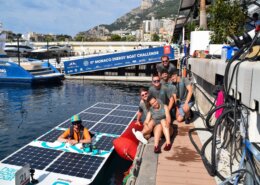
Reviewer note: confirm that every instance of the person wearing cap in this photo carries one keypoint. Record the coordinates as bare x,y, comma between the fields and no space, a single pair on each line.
77,133
165,65
183,98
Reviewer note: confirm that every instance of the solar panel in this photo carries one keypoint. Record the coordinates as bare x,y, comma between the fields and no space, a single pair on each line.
123,113
106,105
98,110
78,165
90,116
86,124
127,107
51,136
117,120
105,143
38,158
109,129
65,125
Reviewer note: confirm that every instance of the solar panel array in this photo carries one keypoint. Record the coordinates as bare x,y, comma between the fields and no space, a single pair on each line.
51,136
38,158
105,143
78,165
110,119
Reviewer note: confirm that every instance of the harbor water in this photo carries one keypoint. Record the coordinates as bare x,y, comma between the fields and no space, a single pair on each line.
28,112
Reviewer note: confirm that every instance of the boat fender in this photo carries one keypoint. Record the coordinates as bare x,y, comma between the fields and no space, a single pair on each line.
126,145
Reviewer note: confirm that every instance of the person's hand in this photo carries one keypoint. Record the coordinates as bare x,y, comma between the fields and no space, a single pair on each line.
138,123
186,106
72,142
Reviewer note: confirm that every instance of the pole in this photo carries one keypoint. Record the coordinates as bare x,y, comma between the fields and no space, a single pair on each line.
18,49
48,53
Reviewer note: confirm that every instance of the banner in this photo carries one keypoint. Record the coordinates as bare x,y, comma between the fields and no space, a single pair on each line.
116,60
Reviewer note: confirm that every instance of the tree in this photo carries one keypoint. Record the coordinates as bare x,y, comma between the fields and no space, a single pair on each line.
155,37
203,15
130,38
227,18
115,37
48,38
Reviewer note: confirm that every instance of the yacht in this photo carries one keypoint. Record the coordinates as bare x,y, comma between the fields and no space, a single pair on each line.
12,48
54,48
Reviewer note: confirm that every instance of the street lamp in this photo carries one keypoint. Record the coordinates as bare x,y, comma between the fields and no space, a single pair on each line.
18,36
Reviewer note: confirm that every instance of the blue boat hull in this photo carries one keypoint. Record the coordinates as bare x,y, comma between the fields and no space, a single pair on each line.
12,73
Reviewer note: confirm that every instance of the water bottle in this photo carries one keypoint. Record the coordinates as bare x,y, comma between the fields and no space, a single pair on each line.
88,148
224,53
95,150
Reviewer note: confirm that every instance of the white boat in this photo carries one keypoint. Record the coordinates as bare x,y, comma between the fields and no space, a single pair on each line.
24,48
55,49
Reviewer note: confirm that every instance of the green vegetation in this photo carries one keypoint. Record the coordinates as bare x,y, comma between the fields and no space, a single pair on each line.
167,9
155,37
226,18
115,37
63,38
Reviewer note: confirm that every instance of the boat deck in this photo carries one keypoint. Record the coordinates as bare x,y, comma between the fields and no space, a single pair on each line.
182,165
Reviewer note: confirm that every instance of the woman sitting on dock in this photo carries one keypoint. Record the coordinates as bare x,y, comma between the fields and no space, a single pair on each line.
158,119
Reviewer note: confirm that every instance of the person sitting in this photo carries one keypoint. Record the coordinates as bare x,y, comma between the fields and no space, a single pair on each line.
184,97
158,120
256,20
164,77
165,65
143,107
158,90
76,133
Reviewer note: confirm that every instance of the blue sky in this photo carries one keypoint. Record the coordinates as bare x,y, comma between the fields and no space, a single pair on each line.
61,16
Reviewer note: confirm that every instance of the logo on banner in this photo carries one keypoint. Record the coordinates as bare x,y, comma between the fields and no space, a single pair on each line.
85,63
72,64
167,49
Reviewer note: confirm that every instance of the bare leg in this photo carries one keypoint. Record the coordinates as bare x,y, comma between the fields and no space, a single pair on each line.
157,134
179,118
186,111
148,128
166,131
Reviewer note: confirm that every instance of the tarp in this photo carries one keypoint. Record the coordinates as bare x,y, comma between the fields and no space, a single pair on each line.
116,60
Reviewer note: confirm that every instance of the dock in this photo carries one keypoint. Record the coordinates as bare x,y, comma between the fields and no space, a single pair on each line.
182,165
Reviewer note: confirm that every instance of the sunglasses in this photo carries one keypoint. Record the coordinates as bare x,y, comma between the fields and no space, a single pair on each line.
156,81
76,123
144,94
165,61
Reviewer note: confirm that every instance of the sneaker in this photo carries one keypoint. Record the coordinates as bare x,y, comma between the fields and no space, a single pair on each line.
167,147
187,121
139,136
157,150
191,114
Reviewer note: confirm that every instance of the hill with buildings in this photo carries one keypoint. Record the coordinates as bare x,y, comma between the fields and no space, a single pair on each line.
149,18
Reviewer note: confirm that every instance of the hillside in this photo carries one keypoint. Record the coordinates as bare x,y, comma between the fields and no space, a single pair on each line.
133,20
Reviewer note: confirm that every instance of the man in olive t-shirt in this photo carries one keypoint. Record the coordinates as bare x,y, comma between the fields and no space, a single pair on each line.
165,65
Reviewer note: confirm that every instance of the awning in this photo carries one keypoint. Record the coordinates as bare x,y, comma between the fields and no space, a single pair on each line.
184,13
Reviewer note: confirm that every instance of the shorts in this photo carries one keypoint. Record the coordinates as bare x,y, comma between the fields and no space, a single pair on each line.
181,108
158,121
